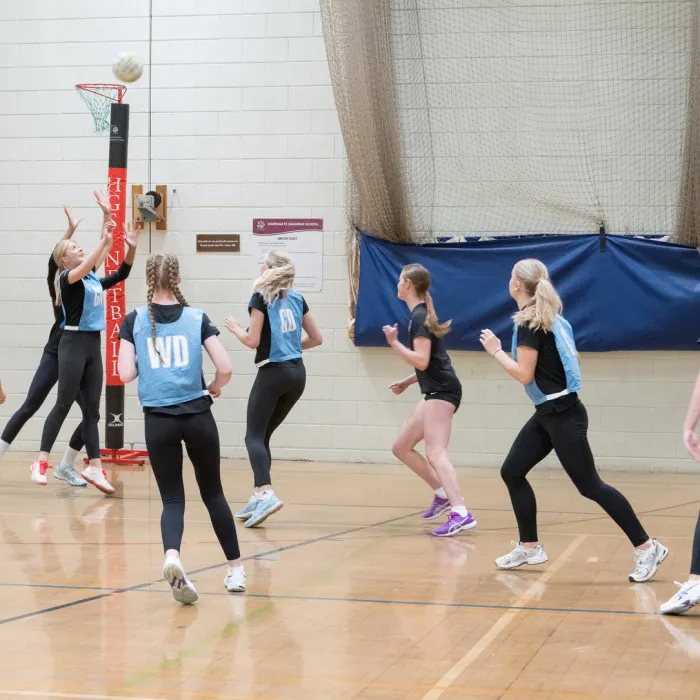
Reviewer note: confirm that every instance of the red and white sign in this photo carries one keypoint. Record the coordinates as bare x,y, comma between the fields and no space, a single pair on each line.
301,238
115,300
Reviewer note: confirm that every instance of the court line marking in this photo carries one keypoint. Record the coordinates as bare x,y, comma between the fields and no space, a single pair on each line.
430,604
486,639
211,567
369,601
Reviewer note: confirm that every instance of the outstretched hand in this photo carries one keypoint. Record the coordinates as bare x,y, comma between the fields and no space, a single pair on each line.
231,324
106,239
72,223
102,199
490,342
391,333
130,235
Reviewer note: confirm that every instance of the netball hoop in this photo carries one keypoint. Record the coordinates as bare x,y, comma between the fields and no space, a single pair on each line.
98,98
111,116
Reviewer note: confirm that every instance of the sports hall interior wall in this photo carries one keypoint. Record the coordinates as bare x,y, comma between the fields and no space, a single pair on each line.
243,125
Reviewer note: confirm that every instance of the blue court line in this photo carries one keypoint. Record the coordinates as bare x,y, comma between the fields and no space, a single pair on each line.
142,586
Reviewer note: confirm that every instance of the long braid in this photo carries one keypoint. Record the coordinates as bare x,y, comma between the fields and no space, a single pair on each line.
154,262
173,275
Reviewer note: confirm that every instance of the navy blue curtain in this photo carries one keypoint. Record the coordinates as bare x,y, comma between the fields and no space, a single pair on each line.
619,293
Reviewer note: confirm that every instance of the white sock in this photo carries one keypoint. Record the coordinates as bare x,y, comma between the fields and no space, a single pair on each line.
69,457
3,448
440,493
461,510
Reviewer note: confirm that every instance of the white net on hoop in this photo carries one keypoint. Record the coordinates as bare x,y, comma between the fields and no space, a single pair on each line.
99,99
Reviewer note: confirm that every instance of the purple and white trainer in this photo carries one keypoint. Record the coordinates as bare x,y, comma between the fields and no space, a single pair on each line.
440,505
454,524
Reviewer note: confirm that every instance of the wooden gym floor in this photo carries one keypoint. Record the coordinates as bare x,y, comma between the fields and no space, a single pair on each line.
347,595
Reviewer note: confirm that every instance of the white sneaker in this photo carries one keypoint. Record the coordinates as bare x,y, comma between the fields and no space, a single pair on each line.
235,579
687,595
38,470
183,590
247,510
646,561
98,478
520,555
67,473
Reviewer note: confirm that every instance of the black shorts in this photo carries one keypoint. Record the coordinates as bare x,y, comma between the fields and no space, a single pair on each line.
453,396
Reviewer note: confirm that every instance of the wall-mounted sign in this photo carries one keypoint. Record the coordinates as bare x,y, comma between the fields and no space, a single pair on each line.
301,238
218,242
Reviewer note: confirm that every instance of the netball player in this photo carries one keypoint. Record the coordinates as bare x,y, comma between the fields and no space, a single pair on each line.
81,294
277,316
688,593
431,420
46,377
545,361
161,343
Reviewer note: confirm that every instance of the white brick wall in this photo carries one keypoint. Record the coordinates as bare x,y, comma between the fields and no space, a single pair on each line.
244,126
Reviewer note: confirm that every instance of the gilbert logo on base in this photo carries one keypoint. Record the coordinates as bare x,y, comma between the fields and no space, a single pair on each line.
117,420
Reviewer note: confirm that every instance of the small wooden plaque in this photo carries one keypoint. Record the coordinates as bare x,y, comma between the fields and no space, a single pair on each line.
218,242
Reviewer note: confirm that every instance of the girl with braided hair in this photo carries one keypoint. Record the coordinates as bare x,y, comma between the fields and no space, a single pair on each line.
161,343
81,295
277,316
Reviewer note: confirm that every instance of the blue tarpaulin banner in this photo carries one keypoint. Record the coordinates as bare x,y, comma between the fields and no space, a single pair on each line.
619,292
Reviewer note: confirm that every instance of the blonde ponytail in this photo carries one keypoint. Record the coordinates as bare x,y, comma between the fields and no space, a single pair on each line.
58,254
546,304
419,277
278,279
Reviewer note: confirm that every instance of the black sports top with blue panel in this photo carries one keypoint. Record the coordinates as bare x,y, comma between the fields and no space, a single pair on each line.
83,301
280,339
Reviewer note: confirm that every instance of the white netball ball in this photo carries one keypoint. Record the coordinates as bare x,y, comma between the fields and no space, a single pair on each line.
127,67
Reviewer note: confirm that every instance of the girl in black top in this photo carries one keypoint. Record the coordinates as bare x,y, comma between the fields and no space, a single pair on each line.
46,376
432,418
81,294
544,359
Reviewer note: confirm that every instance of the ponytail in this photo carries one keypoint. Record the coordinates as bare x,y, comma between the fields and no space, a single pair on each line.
431,320
546,304
58,253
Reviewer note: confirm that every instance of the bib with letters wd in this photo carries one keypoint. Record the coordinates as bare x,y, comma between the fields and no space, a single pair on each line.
176,375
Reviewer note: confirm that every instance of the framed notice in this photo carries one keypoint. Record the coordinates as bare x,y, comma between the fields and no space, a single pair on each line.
301,238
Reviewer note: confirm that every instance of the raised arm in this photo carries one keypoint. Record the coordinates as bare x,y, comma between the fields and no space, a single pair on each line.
218,355
72,224
131,238
89,261
251,337
419,357
128,371
313,334
523,370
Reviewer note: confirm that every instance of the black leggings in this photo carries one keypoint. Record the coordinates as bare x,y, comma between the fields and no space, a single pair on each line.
79,371
45,378
695,561
277,387
164,437
566,432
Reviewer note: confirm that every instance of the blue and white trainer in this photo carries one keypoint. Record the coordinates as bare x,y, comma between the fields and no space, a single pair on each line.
247,510
267,504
